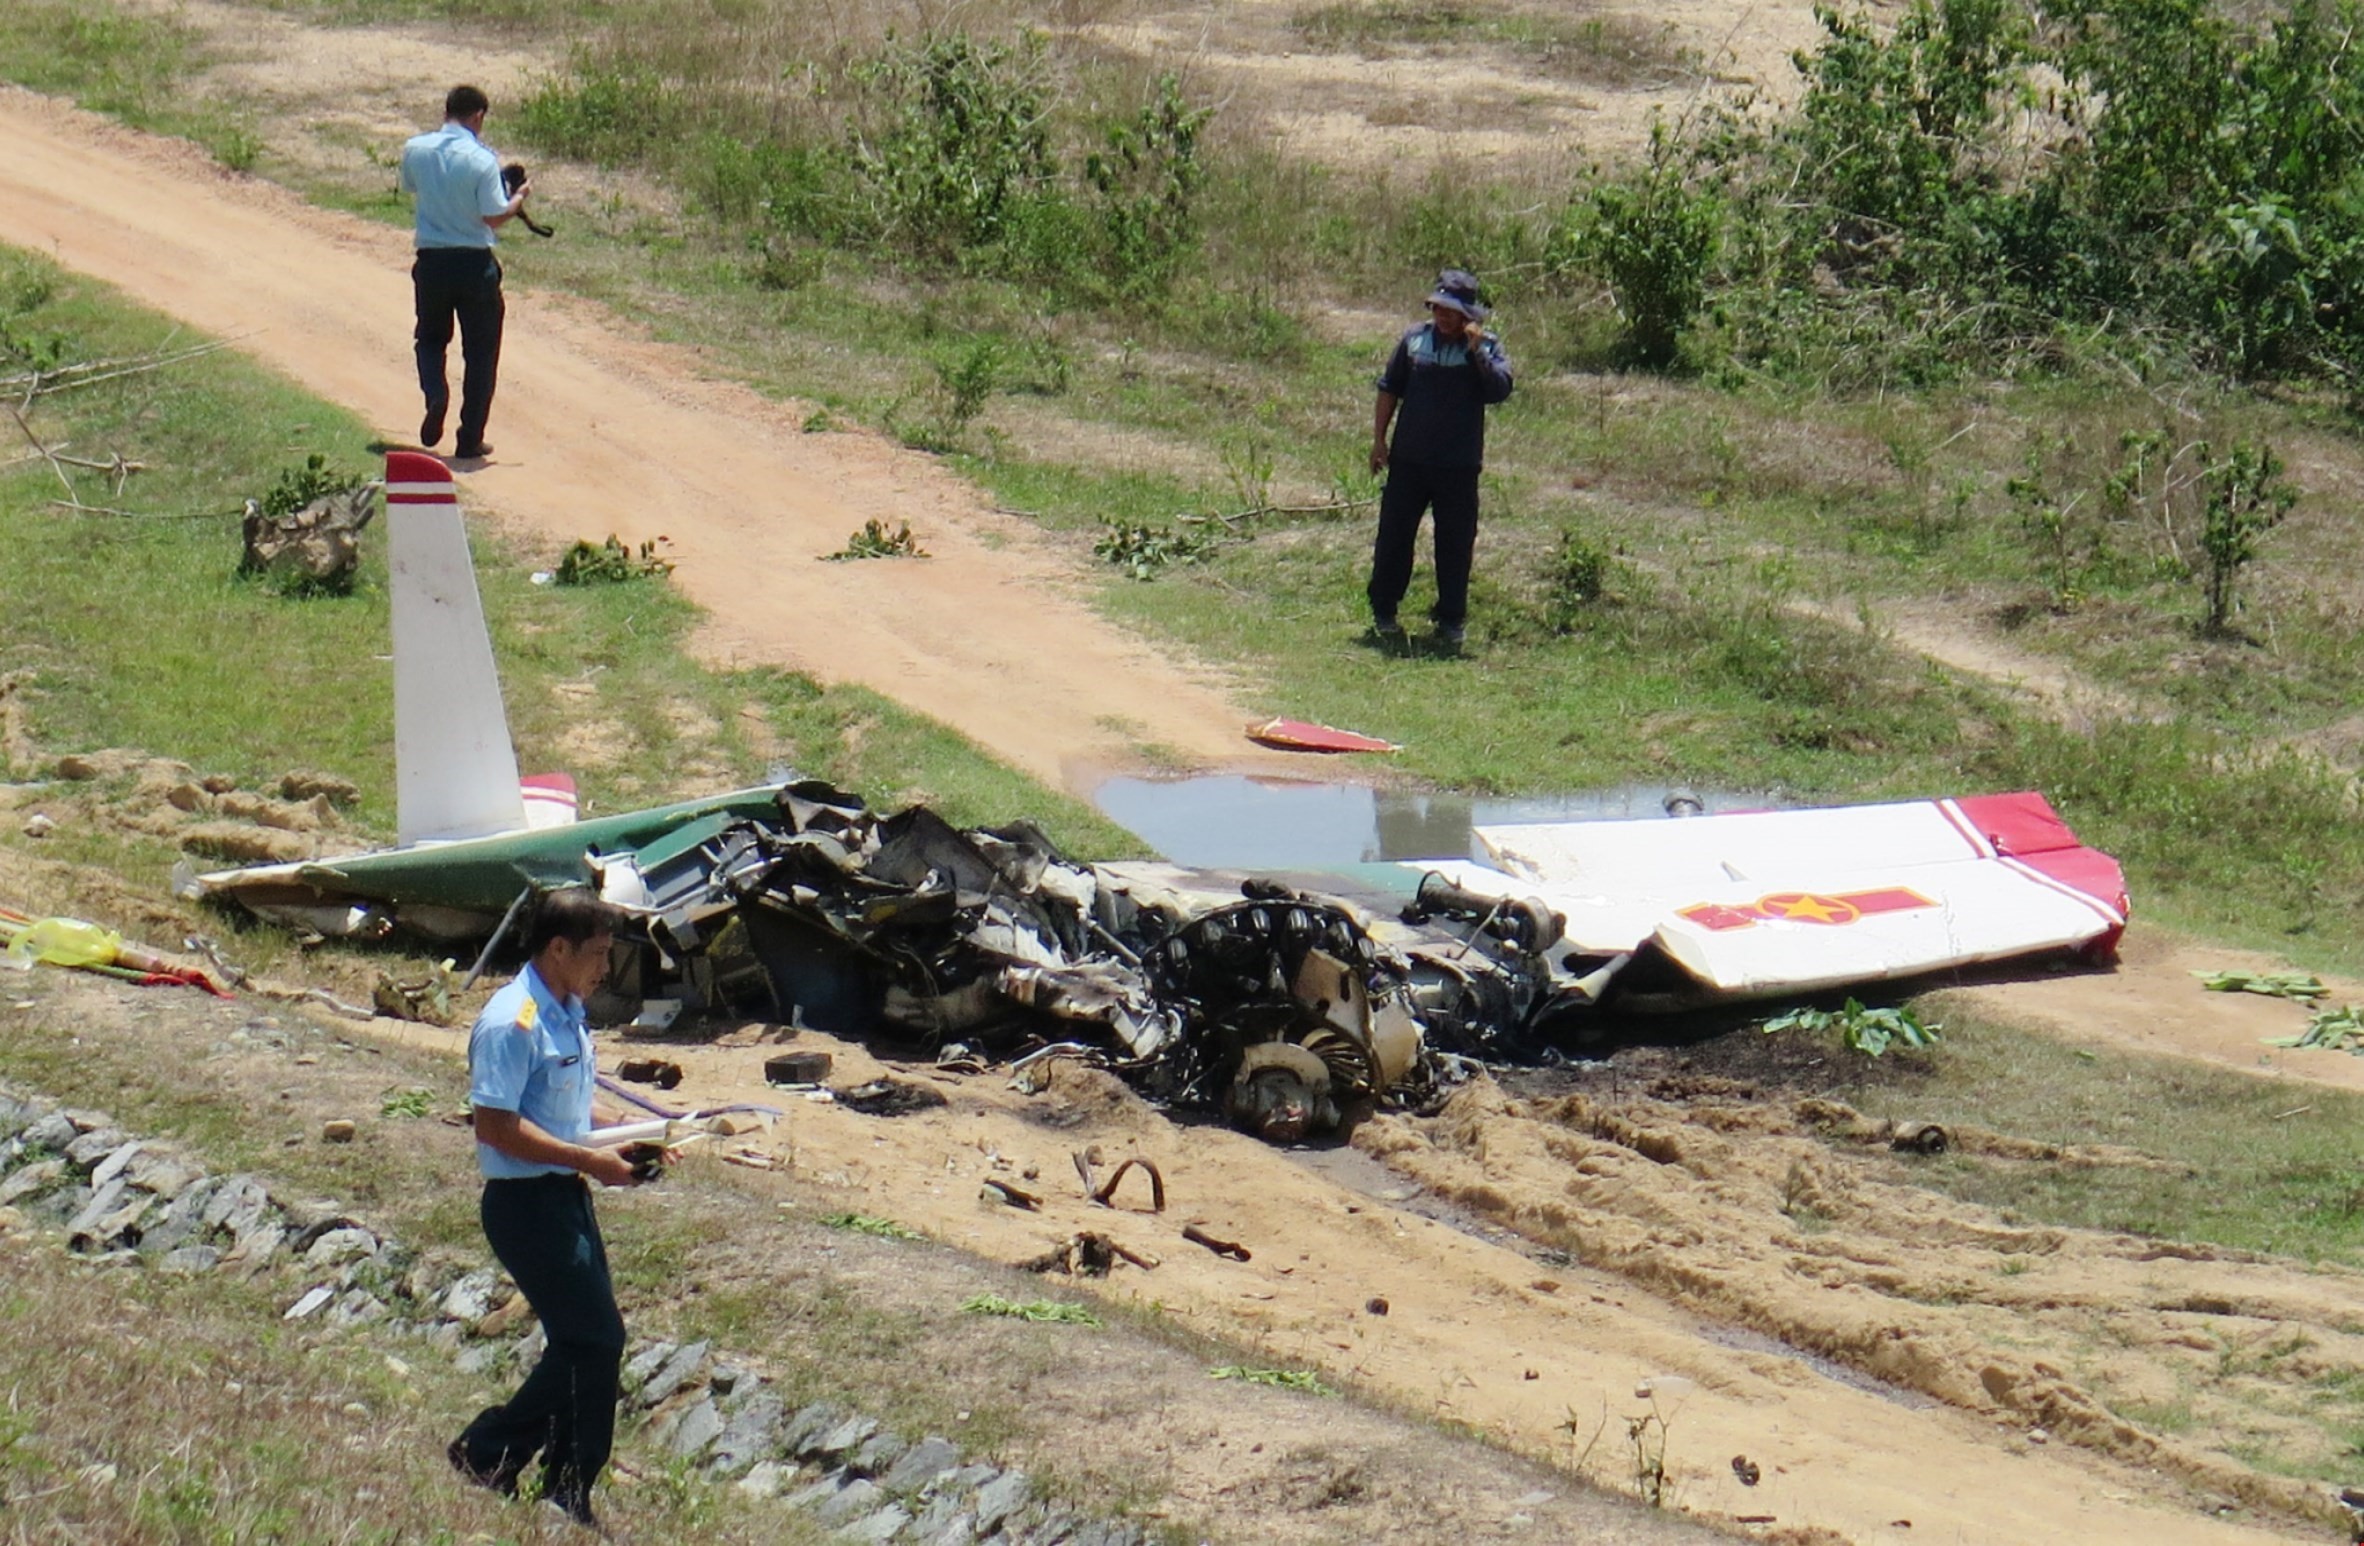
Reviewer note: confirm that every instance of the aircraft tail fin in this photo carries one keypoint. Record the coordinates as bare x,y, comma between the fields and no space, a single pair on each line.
455,770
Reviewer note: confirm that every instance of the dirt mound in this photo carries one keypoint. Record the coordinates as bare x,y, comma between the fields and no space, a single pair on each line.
1744,1211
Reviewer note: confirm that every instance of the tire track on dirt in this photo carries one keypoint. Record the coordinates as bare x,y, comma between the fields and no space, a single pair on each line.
601,432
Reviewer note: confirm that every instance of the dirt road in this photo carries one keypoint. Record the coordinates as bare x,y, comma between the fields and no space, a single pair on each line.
600,432
1896,1366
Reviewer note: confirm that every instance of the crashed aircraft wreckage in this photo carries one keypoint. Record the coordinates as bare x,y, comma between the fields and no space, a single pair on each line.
1280,999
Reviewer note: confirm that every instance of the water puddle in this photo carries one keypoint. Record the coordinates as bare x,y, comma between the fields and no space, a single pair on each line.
1231,821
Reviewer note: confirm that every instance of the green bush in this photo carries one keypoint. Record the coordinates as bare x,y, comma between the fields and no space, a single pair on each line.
965,139
1147,178
1651,235
1973,172
613,114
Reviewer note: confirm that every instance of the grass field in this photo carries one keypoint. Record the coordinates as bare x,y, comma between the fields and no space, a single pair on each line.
141,633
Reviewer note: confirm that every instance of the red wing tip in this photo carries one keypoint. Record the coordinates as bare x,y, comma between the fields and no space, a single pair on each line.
1298,735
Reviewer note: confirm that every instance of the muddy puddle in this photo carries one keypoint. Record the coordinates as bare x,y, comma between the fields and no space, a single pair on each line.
1232,821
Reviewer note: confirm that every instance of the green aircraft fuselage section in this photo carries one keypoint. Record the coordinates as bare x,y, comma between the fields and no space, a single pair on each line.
485,874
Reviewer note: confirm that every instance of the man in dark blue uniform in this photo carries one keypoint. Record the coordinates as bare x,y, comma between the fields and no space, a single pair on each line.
531,1076
1444,374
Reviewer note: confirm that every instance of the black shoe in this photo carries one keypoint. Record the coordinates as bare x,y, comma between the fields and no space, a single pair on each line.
501,1478
431,427
1387,630
1450,635
475,453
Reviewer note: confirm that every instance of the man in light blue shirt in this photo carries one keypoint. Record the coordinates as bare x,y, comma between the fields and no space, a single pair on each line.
457,181
530,1078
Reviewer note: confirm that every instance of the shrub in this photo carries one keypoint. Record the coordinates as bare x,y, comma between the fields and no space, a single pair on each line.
966,138
2241,504
1651,236
609,113
1147,177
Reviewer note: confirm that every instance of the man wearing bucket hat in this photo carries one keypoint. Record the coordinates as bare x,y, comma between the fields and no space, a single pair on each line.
1444,374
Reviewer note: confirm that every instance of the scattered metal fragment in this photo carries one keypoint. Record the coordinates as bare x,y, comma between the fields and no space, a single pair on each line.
796,1068
1107,1189
1002,1191
890,1097
1230,1249
1088,1254
657,1071
426,1000
1747,1470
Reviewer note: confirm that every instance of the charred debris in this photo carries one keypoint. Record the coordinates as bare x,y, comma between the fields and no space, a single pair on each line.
1282,1004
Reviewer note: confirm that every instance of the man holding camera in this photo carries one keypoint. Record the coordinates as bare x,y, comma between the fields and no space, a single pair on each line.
461,201
1444,374
531,1072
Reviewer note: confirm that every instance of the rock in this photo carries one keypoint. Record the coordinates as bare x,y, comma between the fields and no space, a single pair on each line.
946,1521
336,1247
191,1260
313,1300
33,1179
113,1230
679,1370
51,1134
1001,1497
700,1426
238,1208
884,1525
878,1452
10,1221
258,1245
841,1440
854,1499
112,1166
16,1116
925,1461
358,1307
765,1479
513,1313
39,825
85,1153
179,1221
103,1201
809,1425
829,1486
753,1431
162,1174
338,1131
646,1362
477,1359
726,1376
471,1298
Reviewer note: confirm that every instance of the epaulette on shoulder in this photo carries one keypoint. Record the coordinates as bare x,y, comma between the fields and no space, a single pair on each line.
529,1014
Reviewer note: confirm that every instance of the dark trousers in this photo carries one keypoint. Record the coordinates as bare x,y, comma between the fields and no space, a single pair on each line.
545,1234
1451,494
461,284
